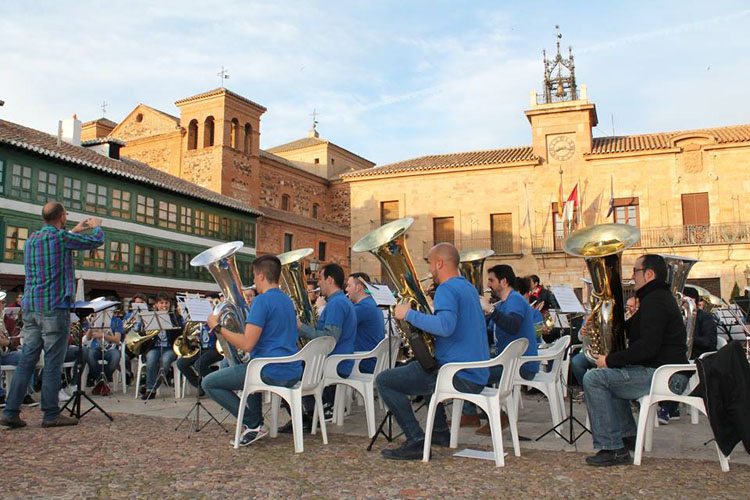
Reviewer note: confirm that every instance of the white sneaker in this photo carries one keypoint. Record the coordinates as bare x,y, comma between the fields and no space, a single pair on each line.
62,395
250,436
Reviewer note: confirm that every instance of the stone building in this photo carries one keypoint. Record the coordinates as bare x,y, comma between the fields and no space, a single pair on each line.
215,144
686,190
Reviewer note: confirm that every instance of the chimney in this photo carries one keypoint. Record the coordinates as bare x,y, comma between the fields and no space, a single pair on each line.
71,131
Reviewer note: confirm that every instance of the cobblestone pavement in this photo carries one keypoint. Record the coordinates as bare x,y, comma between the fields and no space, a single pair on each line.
139,456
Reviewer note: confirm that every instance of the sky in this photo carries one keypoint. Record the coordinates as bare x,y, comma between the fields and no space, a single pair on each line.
389,80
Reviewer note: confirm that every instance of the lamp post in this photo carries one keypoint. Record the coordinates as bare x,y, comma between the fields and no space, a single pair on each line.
747,275
314,267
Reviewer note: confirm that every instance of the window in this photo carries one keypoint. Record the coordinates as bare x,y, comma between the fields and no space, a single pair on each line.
96,198
193,135
120,203
332,161
249,234
168,215
237,232
388,211
72,193
144,259
234,137
501,231
248,145
285,202
316,161
287,242
119,256
186,219
246,271
15,239
695,209
47,187
20,183
144,210
208,132
184,269
315,209
322,250
2,177
442,230
199,216
213,225
226,227
626,211
165,262
94,258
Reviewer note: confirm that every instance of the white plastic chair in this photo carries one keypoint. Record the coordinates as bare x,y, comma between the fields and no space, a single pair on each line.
314,357
491,400
175,378
548,383
660,392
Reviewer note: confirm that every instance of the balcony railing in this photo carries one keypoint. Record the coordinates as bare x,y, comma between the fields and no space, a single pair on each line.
665,237
501,246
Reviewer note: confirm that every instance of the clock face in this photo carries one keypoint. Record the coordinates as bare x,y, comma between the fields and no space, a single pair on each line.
561,148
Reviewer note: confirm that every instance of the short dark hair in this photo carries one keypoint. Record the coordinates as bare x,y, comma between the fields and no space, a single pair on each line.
522,285
504,271
270,266
140,296
691,292
163,296
360,276
657,264
336,272
52,211
534,278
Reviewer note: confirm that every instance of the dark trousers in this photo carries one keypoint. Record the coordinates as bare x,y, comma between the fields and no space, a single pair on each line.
202,362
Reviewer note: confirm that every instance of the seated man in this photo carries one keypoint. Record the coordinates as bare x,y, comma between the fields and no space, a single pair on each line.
370,322
657,337
458,330
160,356
205,359
270,331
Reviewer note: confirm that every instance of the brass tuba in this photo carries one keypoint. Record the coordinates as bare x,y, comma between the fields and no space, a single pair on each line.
601,246
472,266
678,269
710,301
220,262
294,284
388,244
188,344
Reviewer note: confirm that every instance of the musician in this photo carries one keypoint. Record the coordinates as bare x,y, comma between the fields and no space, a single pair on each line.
10,355
205,359
270,331
540,294
458,329
370,323
50,283
138,298
159,354
656,336
103,347
249,293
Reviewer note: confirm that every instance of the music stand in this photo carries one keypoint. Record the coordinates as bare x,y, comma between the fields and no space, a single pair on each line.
103,321
157,320
83,310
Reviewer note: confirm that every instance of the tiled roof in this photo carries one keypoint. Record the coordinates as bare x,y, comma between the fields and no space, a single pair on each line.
284,161
307,222
305,142
452,160
171,117
103,140
662,140
103,121
44,144
219,91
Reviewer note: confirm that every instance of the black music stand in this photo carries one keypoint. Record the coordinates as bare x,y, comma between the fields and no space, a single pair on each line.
388,415
161,376
75,399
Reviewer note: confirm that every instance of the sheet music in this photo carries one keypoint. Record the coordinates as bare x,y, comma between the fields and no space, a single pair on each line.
98,304
381,294
156,320
103,319
567,300
560,319
198,309
139,306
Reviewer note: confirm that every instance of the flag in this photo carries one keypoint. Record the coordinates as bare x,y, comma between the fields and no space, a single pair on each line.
560,198
611,197
571,204
527,219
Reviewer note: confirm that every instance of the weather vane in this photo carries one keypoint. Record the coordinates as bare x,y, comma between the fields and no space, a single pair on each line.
223,75
314,115
104,107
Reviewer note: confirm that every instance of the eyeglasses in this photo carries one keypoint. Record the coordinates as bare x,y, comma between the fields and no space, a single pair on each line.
635,270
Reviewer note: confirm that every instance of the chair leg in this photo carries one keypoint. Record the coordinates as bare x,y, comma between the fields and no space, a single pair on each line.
496,429
513,424
653,423
458,406
369,398
295,404
240,415
321,417
723,460
137,378
275,404
643,423
428,429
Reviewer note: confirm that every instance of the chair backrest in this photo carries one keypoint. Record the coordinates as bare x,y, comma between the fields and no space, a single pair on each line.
558,349
384,360
314,356
510,358
720,342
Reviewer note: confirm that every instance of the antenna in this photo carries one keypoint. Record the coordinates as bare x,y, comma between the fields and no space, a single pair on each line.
104,107
223,75
613,124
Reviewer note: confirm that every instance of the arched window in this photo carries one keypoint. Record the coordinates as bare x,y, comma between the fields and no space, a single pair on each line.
234,139
315,209
193,134
247,147
208,132
285,202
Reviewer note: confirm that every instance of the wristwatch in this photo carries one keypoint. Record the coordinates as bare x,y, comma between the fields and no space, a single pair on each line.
492,310
217,329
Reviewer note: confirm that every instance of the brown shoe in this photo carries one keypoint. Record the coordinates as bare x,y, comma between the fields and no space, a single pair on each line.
485,429
12,422
60,421
469,421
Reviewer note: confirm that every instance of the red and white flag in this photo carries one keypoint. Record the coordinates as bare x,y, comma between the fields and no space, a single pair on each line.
571,205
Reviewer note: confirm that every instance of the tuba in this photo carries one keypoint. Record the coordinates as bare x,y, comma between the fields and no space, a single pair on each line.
601,246
388,244
710,301
294,284
472,266
678,269
220,262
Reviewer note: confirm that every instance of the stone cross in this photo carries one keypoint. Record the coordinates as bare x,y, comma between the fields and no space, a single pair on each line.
223,75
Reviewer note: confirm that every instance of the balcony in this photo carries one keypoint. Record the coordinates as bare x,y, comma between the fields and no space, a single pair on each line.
667,237
501,246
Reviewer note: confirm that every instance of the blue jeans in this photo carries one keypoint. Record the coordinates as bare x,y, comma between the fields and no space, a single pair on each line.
158,358
111,357
579,365
220,386
12,358
41,330
410,379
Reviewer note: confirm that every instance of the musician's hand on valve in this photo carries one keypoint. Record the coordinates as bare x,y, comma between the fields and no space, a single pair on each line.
212,321
584,329
401,310
601,361
485,303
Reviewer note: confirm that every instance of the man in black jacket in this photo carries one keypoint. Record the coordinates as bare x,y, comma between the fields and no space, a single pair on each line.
656,336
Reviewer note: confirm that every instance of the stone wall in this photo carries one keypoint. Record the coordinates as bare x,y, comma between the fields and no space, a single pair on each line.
303,190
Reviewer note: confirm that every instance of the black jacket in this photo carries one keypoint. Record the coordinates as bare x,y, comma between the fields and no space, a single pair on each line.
725,389
656,333
704,338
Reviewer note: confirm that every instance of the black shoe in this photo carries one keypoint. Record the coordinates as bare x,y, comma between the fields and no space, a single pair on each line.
608,458
147,396
409,450
441,438
12,422
29,401
629,442
2,401
306,426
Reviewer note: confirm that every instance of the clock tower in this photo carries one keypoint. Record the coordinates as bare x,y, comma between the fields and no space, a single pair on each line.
561,116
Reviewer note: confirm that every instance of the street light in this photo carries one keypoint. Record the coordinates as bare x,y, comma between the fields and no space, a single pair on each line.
747,275
314,267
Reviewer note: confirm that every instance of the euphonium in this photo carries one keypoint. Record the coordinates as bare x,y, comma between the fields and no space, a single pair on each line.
472,266
220,262
388,244
710,301
678,269
294,284
188,343
134,341
601,246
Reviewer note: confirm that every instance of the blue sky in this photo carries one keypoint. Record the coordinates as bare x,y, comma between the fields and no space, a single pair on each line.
391,80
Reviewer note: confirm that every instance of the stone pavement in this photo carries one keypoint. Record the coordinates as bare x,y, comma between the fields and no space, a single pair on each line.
140,455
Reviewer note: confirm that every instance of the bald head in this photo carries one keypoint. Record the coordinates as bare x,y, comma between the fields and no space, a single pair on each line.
444,260
52,212
446,252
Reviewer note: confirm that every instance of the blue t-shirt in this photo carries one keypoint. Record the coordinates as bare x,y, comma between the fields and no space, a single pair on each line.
370,330
273,312
516,304
208,337
458,327
339,312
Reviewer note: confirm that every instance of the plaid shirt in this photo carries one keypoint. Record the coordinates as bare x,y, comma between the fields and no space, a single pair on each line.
50,282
